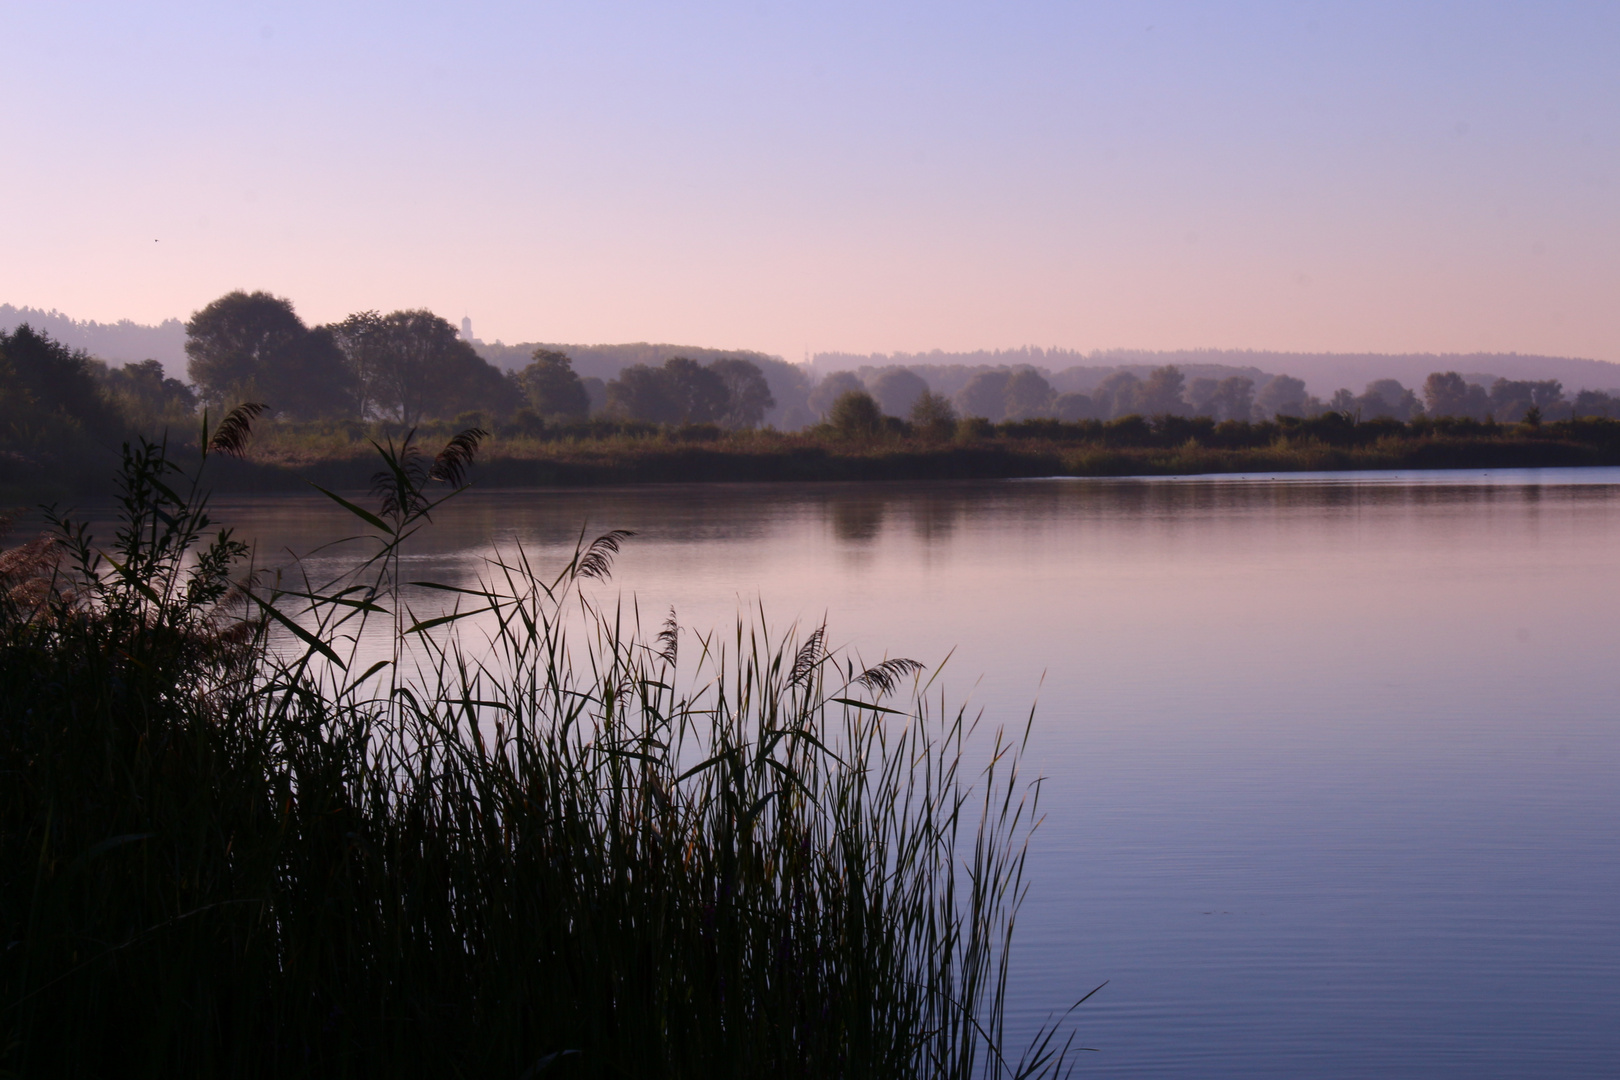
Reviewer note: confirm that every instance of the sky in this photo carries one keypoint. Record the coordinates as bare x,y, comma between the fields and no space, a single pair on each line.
871,177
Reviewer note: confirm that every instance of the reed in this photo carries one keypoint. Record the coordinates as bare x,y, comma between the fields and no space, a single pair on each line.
529,838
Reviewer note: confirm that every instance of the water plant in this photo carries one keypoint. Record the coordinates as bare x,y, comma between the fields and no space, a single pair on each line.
522,836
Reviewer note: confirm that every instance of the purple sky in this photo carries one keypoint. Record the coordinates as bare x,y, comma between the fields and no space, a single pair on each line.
1333,176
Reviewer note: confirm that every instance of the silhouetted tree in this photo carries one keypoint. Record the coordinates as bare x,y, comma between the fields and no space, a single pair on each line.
147,398
698,393
1387,398
425,369
1028,395
552,387
1284,395
1511,400
1118,395
932,416
1074,406
641,393
855,415
1161,392
985,395
831,388
1595,403
748,395
363,341
897,390
1449,394
254,346
42,379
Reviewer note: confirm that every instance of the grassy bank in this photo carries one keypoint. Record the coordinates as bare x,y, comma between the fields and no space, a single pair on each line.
342,455
233,843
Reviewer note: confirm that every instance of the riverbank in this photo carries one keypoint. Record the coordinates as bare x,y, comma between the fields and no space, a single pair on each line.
290,457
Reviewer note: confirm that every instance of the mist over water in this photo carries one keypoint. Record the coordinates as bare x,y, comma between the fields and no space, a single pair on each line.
1331,760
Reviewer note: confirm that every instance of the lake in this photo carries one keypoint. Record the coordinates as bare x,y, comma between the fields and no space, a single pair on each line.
1333,761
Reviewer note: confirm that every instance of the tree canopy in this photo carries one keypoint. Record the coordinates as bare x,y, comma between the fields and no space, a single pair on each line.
726,391
254,346
552,388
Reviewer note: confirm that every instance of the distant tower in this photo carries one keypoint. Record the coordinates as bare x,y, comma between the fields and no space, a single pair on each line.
466,328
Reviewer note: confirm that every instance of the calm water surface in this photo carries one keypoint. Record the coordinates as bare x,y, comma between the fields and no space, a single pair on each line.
1333,759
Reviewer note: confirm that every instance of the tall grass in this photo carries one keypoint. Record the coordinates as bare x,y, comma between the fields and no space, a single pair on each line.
530,838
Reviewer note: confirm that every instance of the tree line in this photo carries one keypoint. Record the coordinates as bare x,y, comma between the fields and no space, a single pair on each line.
1017,394
412,366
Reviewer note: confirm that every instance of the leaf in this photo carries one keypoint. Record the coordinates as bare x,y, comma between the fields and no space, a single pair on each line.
135,582
866,705
369,672
441,620
448,588
360,512
339,598
303,635
707,762
753,811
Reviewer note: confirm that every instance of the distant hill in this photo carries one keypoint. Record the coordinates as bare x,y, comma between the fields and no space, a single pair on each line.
1323,372
121,342
606,361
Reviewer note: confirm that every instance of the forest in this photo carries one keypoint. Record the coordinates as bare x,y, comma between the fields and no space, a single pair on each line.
332,390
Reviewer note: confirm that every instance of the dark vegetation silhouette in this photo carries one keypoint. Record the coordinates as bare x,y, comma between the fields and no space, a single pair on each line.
334,389
262,824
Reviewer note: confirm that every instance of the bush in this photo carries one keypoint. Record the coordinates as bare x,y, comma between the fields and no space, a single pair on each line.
855,415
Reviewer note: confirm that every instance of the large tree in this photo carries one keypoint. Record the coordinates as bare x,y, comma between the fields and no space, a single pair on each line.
1027,396
1162,392
748,394
254,346
1284,395
1446,393
421,368
681,391
985,395
552,387
641,393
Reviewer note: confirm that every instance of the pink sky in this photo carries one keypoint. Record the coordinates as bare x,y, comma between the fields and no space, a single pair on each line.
1330,177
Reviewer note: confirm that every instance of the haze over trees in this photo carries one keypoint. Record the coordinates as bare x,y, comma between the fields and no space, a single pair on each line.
729,392
413,366
552,388
124,341
406,366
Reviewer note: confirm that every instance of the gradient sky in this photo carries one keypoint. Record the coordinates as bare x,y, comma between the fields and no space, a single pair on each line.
865,177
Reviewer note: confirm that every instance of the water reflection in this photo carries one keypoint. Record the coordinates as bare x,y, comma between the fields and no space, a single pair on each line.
1332,762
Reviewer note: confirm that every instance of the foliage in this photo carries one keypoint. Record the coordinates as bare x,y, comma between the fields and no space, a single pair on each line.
552,388
748,394
413,365
898,390
830,389
254,345
42,381
149,400
855,415
933,417
228,846
728,391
